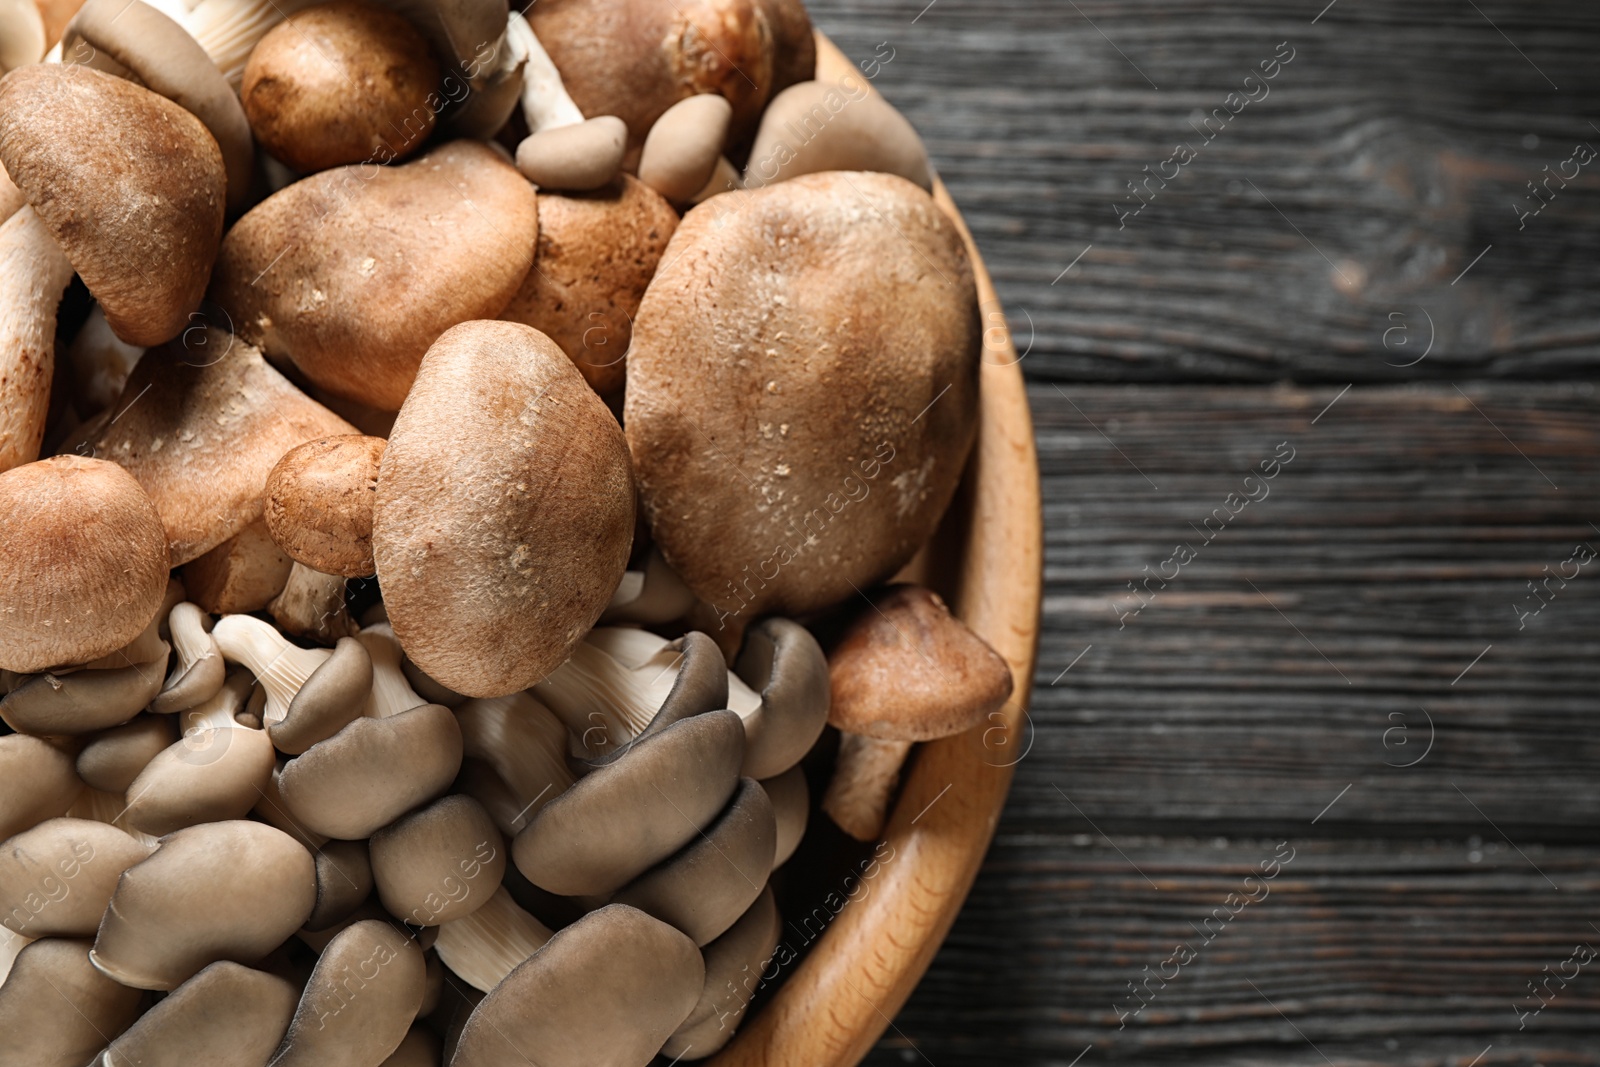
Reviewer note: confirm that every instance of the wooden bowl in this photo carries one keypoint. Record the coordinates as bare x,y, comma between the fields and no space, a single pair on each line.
987,560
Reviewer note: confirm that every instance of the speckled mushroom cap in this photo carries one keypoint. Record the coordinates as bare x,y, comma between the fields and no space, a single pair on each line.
319,503
609,989
505,510
130,184
826,335
131,39
83,562
636,58
909,670
211,420
597,253
353,272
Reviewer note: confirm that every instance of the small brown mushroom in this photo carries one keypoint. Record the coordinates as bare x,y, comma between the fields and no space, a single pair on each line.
58,1011
319,500
228,1015
241,574
438,863
298,85
607,990
362,997
216,891
505,510
85,562
57,878
597,254
906,670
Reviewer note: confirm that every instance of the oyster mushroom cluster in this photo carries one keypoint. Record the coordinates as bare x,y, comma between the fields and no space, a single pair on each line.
455,467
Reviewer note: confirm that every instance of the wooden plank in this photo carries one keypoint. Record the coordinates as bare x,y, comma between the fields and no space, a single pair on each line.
1415,953
1383,159
1373,587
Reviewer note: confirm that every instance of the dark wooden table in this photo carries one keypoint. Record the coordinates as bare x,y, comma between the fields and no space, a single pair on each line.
1312,776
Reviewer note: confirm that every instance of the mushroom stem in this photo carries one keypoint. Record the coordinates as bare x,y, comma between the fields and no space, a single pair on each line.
34,273
11,943
101,362
867,772
524,744
312,605
650,596
200,670
545,103
280,667
482,948
391,691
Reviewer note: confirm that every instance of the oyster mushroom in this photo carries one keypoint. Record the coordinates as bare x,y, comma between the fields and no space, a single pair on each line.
438,863
500,447
344,882
783,662
111,759
597,253
37,782
649,597
681,151
817,126
57,878
906,670
200,424
297,87
131,39
515,757
734,965
22,34
607,990
791,807
228,1015
869,296
199,672
362,997
84,568
58,1011
574,158
333,273
311,692
486,945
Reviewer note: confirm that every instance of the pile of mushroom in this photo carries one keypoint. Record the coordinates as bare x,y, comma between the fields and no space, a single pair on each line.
449,481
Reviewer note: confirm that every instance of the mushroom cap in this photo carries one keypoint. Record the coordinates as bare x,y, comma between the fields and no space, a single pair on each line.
83,701
830,285
438,863
372,772
113,758
791,807
353,272
420,1048
319,503
708,884
909,670
587,155
783,662
228,1015
241,574
505,510
83,562
335,693
57,878
628,815
636,58
201,424
344,882
681,150
127,37
597,254
37,782
606,991
144,242
210,775
734,965
218,891
56,1009
817,126
363,994
300,82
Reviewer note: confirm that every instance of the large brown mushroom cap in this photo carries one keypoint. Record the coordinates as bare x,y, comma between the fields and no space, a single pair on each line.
352,273
909,670
803,389
83,562
200,425
505,510
319,502
597,254
131,186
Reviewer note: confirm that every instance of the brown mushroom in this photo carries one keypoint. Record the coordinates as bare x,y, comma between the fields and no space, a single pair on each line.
505,510
34,272
362,997
299,87
335,274
868,295
85,562
241,574
58,1011
597,253
319,500
906,670
228,1015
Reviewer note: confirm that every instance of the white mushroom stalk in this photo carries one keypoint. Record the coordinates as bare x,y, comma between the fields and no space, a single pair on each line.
199,673
34,273
22,36
525,745
312,605
484,947
281,668
545,103
650,596
391,692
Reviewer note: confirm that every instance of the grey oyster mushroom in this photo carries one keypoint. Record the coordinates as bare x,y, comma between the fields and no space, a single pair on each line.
683,146
58,1011
607,991
311,692
791,807
37,782
734,966
344,883
217,891
438,863
111,759
488,944
364,992
228,1015
215,772
575,158
198,674
57,878
783,663
817,126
